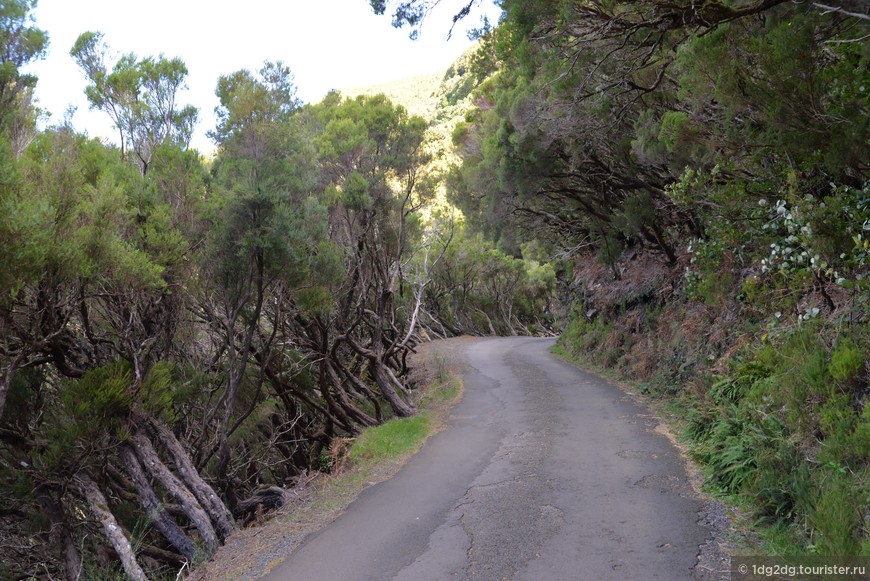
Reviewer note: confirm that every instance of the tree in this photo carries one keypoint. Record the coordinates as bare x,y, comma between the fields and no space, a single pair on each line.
253,109
590,122
477,289
371,154
261,240
90,327
20,43
412,13
138,95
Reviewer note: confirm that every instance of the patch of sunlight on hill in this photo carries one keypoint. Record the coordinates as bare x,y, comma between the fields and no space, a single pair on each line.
419,95
443,99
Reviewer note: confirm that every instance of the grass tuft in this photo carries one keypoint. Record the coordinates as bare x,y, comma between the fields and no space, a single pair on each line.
389,440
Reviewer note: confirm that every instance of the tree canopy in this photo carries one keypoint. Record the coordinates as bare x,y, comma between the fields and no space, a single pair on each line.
138,95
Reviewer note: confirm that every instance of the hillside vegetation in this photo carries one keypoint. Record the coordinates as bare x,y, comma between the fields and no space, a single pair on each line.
419,95
465,283
700,172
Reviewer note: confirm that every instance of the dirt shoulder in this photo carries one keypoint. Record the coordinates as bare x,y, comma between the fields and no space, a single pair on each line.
320,498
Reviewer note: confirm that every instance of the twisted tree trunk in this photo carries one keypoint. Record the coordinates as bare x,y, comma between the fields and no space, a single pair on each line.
357,414
188,502
379,373
61,536
99,507
163,522
335,408
205,494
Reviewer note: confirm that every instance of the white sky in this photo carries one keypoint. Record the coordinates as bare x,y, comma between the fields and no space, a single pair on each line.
328,44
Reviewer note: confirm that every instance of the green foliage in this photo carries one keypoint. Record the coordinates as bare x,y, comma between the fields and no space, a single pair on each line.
89,409
746,96
481,289
705,279
260,219
249,237
24,230
314,300
847,361
390,440
20,44
583,336
379,136
782,484
846,432
138,95
254,109
91,228
159,240
156,395
823,238
768,77
672,128
102,396
730,451
772,397
104,252
836,517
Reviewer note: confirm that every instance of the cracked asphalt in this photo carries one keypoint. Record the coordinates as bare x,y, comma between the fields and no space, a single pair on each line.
543,472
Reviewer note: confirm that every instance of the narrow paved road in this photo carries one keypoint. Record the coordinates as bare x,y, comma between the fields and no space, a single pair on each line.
543,472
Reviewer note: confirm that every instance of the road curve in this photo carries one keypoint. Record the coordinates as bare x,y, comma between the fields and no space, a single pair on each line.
543,472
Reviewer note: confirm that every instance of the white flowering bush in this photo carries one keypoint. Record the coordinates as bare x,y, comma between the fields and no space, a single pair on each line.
788,241
706,255
826,237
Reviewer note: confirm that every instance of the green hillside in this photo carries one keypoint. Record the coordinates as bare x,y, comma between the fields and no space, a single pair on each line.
419,95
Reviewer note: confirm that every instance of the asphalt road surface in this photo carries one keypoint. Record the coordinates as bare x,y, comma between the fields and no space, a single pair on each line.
543,472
